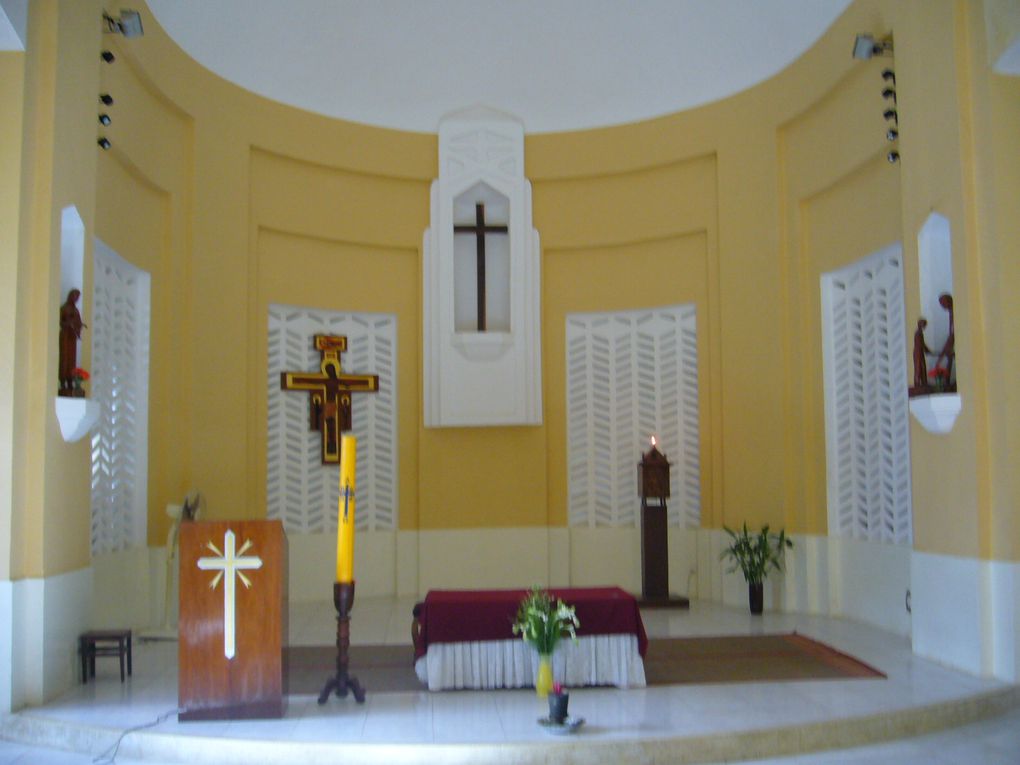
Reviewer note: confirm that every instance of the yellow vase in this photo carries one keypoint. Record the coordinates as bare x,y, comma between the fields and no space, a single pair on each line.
544,679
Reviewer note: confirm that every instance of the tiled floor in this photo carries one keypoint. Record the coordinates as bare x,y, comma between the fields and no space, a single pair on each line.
90,718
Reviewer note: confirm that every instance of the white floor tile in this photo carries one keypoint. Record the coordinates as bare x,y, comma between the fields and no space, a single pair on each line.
471,717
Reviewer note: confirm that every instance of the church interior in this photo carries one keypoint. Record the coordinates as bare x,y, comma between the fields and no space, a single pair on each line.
512,251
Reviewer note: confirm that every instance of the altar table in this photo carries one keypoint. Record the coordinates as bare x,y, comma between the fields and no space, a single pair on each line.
465,640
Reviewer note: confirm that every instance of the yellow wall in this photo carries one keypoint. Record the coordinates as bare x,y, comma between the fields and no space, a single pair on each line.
233,202
12,77
50,497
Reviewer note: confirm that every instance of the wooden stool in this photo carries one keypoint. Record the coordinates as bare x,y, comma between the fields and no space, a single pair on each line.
103,643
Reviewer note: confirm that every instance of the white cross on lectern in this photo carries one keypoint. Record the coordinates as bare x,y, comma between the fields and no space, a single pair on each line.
229,563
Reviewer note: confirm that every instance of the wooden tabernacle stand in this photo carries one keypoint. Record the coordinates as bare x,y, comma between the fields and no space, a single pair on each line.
653,484
232,620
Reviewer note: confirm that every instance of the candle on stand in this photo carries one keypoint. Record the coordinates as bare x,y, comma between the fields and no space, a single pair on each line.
345,512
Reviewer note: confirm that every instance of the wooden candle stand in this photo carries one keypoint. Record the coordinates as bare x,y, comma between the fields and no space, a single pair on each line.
341,682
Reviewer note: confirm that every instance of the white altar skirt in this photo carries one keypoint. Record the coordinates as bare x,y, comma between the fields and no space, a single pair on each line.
591,660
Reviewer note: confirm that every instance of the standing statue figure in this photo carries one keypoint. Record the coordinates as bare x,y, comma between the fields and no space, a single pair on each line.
70,332
920,358
948,353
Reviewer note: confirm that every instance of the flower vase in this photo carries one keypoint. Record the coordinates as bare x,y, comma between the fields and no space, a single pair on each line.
544,678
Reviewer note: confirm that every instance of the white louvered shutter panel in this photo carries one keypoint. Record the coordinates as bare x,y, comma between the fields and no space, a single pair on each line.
631,375
301,491
867,422
120,385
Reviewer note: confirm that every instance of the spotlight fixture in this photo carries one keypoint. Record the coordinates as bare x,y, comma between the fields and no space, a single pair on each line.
893,157
108,57
104,119
889,93
129,24
890,114
892,134
865,47
105,144
107,99
889,76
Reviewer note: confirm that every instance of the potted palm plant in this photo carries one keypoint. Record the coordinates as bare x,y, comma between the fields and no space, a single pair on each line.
755,555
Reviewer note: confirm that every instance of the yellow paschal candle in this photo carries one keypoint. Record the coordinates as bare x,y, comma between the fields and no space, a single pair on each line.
345,523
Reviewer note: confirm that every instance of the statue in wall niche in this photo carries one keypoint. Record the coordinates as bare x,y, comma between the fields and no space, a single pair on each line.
921,350
71,326
948,354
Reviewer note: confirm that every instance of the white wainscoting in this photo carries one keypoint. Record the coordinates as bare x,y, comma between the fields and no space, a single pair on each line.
869,583
483,558
965,613
47,617
864,581
1005,584
128,588
6,645
377,564
605,555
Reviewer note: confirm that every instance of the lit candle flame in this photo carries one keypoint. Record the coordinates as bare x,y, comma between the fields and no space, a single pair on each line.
653,441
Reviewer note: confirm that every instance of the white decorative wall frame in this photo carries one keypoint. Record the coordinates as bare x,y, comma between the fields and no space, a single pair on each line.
631,375
477,376
867,427
300,490
120,388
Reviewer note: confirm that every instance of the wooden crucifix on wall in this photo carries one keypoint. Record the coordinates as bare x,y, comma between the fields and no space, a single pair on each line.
329,390
479,230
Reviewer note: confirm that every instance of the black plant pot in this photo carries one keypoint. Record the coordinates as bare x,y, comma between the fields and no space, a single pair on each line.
558,707
756,596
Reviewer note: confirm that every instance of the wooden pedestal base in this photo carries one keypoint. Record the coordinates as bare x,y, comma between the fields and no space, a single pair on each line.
342,682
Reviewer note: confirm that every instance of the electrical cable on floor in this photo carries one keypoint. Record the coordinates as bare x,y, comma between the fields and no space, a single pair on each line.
108,757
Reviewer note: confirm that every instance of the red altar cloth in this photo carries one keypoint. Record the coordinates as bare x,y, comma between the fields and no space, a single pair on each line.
461,616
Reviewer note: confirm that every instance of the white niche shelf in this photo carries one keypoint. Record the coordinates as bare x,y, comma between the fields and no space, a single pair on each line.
76,417
936,412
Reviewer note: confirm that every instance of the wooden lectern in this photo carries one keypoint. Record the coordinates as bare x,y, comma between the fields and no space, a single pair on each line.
232,620
653,484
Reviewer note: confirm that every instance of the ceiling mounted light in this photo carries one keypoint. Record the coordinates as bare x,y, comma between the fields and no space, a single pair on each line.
104,119
865,47
889,93
106,98
893,157
105,144
129,24
108,57
890,114
892,134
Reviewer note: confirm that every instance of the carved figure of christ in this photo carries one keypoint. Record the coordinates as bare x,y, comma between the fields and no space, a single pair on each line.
228,564
330,389
480,229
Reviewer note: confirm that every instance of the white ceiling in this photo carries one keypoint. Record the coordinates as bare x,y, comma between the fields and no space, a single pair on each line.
556,64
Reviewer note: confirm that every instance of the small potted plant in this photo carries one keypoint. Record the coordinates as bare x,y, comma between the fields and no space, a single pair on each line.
541,621
558,700
755,555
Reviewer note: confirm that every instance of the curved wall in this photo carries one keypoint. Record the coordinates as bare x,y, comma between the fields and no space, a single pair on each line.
233,202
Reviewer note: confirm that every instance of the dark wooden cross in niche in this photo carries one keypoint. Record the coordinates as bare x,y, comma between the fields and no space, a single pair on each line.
480,229
329,393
